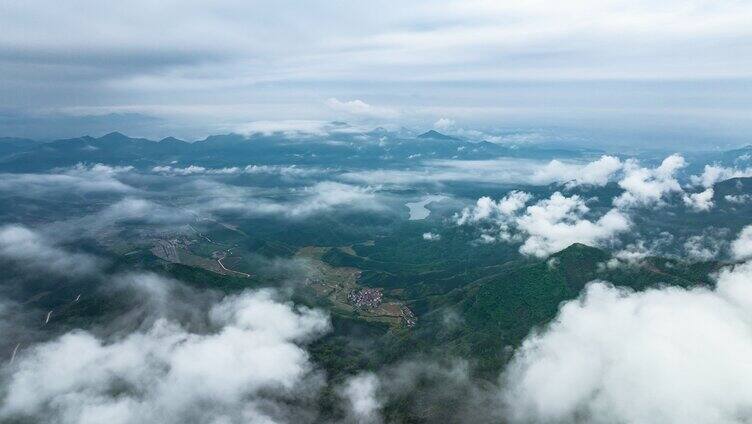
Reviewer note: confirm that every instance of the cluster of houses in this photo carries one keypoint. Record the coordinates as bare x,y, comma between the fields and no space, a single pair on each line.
365,298
370,298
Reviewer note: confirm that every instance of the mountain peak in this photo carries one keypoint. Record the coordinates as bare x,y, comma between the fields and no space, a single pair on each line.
114,136
579,252
171,140
436,135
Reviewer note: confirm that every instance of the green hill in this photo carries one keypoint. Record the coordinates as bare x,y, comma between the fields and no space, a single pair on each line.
487,318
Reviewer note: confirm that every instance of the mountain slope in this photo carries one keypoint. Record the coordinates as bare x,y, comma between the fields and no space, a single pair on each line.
488,317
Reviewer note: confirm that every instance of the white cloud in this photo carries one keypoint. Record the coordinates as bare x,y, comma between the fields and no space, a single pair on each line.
137,209
193,169
250,368
648,186
707,246
485,208
738,199
634,252
661,356
702,201
284,170
131,210
35,251
444,124
431,236
327,195
97,178
741,248
360,108
435,391
288,128
596,173
320,197
716,173
545,227
555,223
360,394
499,171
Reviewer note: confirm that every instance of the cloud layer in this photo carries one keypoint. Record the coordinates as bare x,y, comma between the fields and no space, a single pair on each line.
81,179
278,61
29,249
250,367
666,355
498,171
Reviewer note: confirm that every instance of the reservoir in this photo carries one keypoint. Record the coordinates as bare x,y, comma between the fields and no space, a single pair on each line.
418,209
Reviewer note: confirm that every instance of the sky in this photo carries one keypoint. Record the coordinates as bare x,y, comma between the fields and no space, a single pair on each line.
675,73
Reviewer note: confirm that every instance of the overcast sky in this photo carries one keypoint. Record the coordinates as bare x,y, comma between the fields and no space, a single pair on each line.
674,71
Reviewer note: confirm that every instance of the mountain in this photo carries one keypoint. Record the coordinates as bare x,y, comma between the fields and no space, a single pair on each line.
500,310
431,134
379,148
171,140
9,145
15,141
114,149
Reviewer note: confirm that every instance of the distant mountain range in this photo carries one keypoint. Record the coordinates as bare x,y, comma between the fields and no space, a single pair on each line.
376,148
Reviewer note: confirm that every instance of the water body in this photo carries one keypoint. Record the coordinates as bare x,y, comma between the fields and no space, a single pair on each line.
418,210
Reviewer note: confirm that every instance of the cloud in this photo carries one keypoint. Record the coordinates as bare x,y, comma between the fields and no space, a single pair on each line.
648,186
273,62
296,128
149,298
557,222
633,253
32,250
134,211
422,390
97,178
250,367
741,248
444,124
486,209
707,246
137,209
19,325
553,224
286,127
738,199
360,108
360,393
716,173
327,195
597,173
431,236
545,227
702,201
498,171
193,170
668,355
284,170
236,42
302,202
